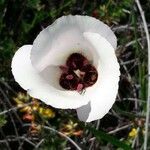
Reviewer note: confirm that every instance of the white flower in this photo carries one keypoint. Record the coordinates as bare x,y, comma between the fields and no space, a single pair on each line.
37,67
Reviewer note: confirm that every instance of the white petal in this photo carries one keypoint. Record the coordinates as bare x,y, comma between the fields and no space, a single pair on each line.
30,80
65,36
103,93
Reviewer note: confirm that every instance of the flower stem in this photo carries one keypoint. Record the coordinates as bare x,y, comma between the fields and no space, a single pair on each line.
148,96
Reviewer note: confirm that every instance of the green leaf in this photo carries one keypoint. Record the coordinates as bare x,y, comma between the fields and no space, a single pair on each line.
101,135
3,120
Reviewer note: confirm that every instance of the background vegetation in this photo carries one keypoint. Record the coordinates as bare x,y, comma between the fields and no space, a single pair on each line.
27,123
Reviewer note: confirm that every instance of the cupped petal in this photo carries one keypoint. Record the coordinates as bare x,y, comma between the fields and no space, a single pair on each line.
65,36
103,94
37,87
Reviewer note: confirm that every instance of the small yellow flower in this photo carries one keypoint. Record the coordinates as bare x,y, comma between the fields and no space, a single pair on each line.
21,98
18,102
35,105
70,129
40,110
71,125
133,133
46,112
49,113
26,109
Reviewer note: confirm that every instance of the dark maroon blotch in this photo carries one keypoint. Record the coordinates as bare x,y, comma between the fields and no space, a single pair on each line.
76,61
71,80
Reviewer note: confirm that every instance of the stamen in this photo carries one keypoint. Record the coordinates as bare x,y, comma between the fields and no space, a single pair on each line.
80,87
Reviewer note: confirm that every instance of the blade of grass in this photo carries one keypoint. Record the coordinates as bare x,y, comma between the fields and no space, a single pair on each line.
101,135
148,96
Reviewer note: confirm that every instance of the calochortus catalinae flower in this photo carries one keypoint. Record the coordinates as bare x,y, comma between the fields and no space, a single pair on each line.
71,65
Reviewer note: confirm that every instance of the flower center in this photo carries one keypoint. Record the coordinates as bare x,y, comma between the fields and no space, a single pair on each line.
78,73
